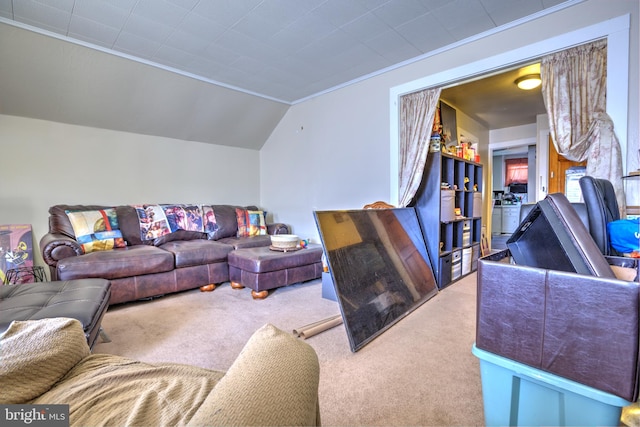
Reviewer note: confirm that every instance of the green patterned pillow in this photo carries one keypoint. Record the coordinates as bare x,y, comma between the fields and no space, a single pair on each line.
96,230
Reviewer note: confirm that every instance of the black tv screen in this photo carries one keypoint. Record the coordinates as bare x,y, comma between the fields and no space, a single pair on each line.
379,265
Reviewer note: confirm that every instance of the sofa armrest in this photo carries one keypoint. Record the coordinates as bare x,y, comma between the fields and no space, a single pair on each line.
278,228
58,246
274,381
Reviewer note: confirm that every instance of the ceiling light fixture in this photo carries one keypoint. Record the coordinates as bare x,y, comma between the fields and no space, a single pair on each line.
528,82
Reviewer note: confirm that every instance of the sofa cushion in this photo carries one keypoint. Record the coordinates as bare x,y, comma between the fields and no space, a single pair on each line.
130,225
36,354
59,221
127,220
226,221
197,252
96,230
159,223
247,242
180,235
117,263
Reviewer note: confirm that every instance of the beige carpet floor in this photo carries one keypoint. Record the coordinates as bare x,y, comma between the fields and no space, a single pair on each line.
420,372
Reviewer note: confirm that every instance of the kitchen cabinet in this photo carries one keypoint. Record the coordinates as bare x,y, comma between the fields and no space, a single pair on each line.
505,219
496,220
510,218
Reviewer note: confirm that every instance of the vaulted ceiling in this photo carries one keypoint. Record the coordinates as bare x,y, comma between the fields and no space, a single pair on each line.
188,69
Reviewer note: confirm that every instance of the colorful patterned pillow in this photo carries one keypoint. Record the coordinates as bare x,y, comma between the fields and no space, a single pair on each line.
251,223
96,230
209,220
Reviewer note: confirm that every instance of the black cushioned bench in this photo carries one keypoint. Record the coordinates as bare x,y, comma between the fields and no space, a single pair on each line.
85,299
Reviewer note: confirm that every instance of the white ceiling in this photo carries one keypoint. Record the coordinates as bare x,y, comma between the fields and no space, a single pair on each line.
495,101
281,50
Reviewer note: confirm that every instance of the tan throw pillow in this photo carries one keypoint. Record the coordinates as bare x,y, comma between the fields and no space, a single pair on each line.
35,354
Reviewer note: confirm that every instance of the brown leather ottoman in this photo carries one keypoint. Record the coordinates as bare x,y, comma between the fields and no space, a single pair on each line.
84,299
262,269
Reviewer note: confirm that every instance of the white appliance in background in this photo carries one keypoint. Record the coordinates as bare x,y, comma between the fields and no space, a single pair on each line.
572,183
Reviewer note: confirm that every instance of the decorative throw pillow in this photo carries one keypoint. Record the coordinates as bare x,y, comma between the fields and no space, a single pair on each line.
96,230
153,221
251,223
210,223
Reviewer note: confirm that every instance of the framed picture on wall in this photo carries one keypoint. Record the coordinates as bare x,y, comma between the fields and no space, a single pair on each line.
16,249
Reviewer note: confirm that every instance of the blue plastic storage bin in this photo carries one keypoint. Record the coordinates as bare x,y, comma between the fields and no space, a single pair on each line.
515,394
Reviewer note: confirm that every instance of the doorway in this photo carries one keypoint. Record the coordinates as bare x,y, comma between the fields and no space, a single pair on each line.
558,167
615,30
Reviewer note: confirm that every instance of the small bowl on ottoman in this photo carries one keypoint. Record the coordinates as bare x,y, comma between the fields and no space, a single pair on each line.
285,242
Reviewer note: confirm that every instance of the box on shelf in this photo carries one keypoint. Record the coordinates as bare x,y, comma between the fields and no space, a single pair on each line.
477,204
447,205
456,265
466,238
467,254
445,270
518,395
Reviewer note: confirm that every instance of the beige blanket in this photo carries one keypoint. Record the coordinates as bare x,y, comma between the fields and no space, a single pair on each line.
274,381
111,390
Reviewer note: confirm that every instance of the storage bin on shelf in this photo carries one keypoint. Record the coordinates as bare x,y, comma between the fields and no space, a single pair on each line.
456,264
477,204
467,254
447,205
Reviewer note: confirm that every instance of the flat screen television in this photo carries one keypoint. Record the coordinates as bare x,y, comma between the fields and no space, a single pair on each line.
379,265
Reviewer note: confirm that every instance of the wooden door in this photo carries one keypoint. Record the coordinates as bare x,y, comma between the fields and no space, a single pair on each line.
558,166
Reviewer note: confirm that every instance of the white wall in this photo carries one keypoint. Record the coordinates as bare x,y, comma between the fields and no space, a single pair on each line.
330,152
327,153
48,163
341,159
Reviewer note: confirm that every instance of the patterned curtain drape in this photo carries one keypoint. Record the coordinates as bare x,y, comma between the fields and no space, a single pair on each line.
416,120
574,84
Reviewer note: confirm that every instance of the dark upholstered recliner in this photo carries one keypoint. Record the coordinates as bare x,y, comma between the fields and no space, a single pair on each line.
602,208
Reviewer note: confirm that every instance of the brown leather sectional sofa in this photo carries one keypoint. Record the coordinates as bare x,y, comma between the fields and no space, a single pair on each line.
147,268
